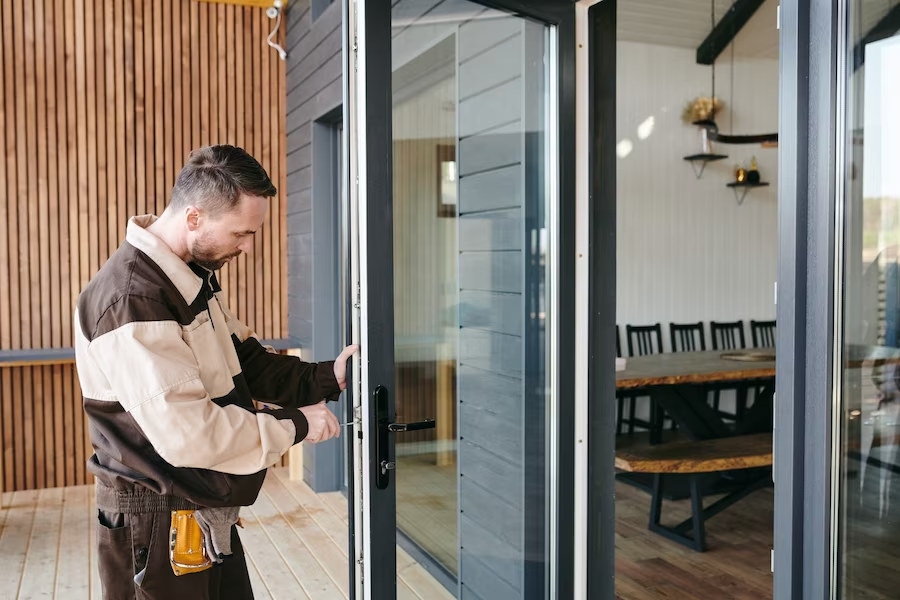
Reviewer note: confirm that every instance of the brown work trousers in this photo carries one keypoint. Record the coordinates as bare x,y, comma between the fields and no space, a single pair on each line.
130,543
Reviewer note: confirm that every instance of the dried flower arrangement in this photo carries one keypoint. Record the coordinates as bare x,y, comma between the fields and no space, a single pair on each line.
700,109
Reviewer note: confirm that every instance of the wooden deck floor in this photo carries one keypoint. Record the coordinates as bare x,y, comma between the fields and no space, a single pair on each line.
295,540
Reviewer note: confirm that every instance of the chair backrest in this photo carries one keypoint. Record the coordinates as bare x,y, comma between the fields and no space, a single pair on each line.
618,344
641,339
688,337
727,336
763,334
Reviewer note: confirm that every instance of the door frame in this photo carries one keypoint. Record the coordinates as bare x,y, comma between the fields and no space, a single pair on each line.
367,91
806,394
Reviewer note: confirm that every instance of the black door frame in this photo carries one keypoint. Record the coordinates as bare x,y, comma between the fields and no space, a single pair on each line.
374,27
807,194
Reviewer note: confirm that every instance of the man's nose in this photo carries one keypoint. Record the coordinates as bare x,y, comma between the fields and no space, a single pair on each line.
246,246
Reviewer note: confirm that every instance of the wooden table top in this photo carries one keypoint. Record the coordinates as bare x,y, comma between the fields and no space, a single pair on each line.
681,368
687,368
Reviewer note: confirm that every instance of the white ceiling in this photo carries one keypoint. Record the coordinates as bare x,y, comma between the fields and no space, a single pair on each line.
686,23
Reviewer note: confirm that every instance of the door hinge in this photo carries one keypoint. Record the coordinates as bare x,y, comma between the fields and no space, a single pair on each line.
778,17
772,559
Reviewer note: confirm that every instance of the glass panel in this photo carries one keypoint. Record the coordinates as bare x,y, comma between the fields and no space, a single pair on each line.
470,116
870,415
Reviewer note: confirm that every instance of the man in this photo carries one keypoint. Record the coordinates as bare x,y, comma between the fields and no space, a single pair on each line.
169,376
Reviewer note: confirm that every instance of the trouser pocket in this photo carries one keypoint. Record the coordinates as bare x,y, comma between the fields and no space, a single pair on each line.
114,548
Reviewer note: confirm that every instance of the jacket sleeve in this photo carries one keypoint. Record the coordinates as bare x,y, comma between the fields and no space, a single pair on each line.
283,380
153,374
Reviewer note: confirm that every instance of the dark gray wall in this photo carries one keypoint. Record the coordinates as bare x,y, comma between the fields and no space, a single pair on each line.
314,96
313,92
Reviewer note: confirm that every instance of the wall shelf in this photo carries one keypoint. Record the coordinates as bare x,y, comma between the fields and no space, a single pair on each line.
745,187
703,159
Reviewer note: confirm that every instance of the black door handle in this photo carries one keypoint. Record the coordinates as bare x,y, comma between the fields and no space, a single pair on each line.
400,427
383,465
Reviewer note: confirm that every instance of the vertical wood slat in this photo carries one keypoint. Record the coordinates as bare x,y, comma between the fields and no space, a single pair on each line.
101,104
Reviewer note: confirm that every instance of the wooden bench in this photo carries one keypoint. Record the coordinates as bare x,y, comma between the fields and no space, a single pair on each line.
694,459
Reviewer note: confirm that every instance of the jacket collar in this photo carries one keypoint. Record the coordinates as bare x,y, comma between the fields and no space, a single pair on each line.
179,273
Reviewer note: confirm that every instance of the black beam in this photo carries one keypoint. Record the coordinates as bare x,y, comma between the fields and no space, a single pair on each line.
887,27
726,30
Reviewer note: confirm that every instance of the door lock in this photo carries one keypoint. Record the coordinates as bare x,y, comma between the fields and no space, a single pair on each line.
382,463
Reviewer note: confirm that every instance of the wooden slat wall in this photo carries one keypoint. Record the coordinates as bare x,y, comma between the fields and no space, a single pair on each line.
101,103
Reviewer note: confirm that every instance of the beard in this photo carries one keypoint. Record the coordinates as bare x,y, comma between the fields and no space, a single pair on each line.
208,256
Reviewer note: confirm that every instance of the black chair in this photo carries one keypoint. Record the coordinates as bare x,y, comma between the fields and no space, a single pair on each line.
618,344
642,336
685,338
763,334
643,340
728,336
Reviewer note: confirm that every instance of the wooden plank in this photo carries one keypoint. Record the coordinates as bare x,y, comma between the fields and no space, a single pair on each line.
321,557
21,149
280,580
128,151
281,255
103,165
95,586
58,305
14,540
288,533
73,573
203,50
178,93
316,508
30,186
84,199
418,580
254,274
256,581
59,437
159,156
44,265
92,241
263,247
140,107
40,569
195,75
27,430
36,399
169,99
5,338
46,405
13,115
68,402
720,454
149,199
8,483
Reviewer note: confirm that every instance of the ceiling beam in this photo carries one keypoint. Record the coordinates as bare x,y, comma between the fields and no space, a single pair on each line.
726,30
887,27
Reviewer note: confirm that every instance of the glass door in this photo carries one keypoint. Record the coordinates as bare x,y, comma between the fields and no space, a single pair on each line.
867,512
453,132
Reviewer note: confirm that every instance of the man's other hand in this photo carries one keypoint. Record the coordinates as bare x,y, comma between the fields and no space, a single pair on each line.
340,365
323,425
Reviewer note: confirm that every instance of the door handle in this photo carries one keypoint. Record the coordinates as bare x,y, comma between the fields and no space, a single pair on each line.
400,427
383,465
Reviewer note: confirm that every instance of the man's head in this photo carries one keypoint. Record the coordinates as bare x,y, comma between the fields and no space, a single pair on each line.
222,196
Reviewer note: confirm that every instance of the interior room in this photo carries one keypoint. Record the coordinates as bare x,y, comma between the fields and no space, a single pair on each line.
696,268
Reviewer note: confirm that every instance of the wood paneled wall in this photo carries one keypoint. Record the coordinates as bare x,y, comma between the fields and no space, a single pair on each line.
101,103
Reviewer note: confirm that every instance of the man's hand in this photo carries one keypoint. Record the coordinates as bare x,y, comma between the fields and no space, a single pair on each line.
340,365
323,425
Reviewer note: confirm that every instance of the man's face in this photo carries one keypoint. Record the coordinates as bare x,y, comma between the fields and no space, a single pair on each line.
217,239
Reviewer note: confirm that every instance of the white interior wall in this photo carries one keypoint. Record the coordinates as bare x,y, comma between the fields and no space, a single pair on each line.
686,251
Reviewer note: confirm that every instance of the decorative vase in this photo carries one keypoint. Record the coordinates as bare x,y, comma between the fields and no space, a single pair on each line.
753,173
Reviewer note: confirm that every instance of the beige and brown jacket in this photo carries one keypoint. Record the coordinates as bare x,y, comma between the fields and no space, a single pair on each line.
169,376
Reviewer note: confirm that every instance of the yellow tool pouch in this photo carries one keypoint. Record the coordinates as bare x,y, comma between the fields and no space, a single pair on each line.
187,550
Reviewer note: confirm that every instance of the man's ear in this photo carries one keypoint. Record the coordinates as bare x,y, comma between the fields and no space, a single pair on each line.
192,218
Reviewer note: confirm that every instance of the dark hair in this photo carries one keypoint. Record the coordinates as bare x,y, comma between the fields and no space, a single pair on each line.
215,178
